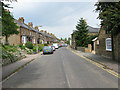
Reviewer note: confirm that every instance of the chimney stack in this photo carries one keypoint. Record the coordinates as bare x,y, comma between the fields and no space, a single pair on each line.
41,30
30,24
45,32
21,19
36,27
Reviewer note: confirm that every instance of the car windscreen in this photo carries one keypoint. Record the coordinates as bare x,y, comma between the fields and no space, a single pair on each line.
46,47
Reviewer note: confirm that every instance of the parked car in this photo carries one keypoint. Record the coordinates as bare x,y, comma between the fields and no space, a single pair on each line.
53,47
56,45
47,49
65,45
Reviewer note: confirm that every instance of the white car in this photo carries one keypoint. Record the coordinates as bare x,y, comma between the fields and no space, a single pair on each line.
56,45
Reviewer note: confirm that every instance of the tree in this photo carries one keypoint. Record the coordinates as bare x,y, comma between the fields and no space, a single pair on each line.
109,13
8,25
68,41
65,39
81,33
61,38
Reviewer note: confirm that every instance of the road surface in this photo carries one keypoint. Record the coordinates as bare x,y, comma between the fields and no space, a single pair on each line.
63,69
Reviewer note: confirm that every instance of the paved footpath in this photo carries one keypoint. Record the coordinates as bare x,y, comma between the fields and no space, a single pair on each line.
8,69
100,59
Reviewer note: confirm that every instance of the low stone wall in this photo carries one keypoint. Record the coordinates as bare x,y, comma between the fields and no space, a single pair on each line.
87,50
81,49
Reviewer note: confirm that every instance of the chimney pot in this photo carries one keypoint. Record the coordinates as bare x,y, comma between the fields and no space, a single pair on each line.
36,27
21,19
30,24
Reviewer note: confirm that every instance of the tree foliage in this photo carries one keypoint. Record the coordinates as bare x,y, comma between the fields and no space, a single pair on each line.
91,37
68,41
9,27
109,13
81,33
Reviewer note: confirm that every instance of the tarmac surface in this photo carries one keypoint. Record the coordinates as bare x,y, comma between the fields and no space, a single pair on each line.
62,69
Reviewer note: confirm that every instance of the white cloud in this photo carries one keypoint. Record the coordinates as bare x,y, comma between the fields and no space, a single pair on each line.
64,25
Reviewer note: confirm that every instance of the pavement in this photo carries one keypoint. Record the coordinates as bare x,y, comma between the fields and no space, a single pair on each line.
9,69
111,64
62,69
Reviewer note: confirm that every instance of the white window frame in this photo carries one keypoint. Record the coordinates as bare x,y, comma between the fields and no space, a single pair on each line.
108,41
34,40
23,39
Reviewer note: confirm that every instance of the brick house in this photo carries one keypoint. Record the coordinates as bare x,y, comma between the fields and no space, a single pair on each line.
27,33
103,45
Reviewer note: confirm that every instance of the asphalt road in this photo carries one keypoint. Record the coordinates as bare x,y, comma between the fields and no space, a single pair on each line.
63,69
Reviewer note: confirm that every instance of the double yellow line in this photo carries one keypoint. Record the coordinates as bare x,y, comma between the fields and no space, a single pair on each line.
97,64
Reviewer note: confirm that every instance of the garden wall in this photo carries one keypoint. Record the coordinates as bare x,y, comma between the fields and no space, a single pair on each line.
87,50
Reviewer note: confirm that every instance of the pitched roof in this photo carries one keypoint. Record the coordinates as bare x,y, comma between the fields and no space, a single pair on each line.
28,27
93,30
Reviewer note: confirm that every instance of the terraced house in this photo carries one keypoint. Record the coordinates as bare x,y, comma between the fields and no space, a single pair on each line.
29,33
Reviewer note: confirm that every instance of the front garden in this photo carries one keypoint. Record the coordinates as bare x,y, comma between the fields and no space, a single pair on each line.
12,54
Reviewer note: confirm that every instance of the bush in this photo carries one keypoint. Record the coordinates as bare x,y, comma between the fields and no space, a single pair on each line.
20,45
40,47
90,38
23,47
29,45
29,52
10,48
35,49
46,44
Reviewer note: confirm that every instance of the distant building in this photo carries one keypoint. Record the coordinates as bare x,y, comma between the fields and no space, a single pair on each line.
28,33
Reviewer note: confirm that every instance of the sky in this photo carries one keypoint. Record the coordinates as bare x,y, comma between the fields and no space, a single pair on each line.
59,18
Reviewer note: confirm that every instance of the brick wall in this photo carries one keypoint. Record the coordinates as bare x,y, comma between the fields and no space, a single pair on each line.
101,48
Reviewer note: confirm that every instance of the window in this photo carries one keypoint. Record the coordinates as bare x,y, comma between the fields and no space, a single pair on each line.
23,39
34,40
108,44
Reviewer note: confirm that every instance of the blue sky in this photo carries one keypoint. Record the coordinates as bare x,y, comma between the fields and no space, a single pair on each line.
58,18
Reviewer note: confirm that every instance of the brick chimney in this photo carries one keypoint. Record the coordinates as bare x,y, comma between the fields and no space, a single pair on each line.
36,27
45,31
21,19
41,30
30,24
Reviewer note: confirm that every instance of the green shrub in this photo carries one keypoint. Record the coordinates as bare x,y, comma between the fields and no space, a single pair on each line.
29,52
46,44
23,47
10,48
35,49
29,45
6,53
20,45
40,47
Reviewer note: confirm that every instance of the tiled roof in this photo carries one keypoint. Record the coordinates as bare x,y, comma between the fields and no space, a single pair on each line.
28,27
93,30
